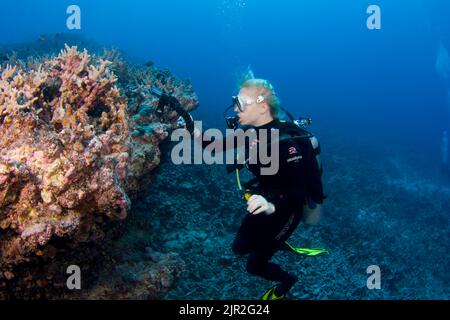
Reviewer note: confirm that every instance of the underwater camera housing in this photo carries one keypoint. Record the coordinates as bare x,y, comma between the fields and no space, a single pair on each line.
173,103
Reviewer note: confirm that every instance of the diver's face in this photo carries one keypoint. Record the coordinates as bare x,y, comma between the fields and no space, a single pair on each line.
252,111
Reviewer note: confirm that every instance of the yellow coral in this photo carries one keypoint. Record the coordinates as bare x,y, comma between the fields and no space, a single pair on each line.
8,72
4,224
55,166
78,146
47,196
7,120
4,168
33,213
57,180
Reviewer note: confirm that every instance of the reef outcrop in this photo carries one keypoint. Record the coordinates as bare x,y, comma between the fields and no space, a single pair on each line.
79,137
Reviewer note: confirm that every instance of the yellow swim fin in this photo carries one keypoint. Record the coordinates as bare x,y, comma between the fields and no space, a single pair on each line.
310,252
270,295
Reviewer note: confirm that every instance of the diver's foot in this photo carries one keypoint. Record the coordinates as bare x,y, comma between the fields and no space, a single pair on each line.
285,286
272,295
278,292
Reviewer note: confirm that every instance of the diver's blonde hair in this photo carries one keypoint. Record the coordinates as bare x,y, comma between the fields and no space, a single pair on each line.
265,89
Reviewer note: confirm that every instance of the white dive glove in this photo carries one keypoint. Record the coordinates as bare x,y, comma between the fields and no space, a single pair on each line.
257,204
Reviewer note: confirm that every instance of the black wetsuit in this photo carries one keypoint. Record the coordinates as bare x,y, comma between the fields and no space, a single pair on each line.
262,235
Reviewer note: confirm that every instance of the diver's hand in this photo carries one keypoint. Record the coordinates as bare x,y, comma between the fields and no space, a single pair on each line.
257,204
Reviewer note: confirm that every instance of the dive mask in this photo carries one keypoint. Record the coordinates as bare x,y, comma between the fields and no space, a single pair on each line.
242,102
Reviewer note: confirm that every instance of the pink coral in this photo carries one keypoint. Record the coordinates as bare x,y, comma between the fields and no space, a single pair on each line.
46,147
68,161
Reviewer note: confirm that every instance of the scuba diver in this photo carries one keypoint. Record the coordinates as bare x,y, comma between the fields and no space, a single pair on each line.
277,203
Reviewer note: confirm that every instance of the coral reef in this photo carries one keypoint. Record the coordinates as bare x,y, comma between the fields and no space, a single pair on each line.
62,132
77,145
150,278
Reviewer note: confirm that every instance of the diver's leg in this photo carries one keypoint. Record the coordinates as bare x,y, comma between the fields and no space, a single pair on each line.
259,265
259,260
283,246
241,245
247,236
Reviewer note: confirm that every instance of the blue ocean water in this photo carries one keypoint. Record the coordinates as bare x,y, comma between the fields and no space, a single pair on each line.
320,55
380,99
